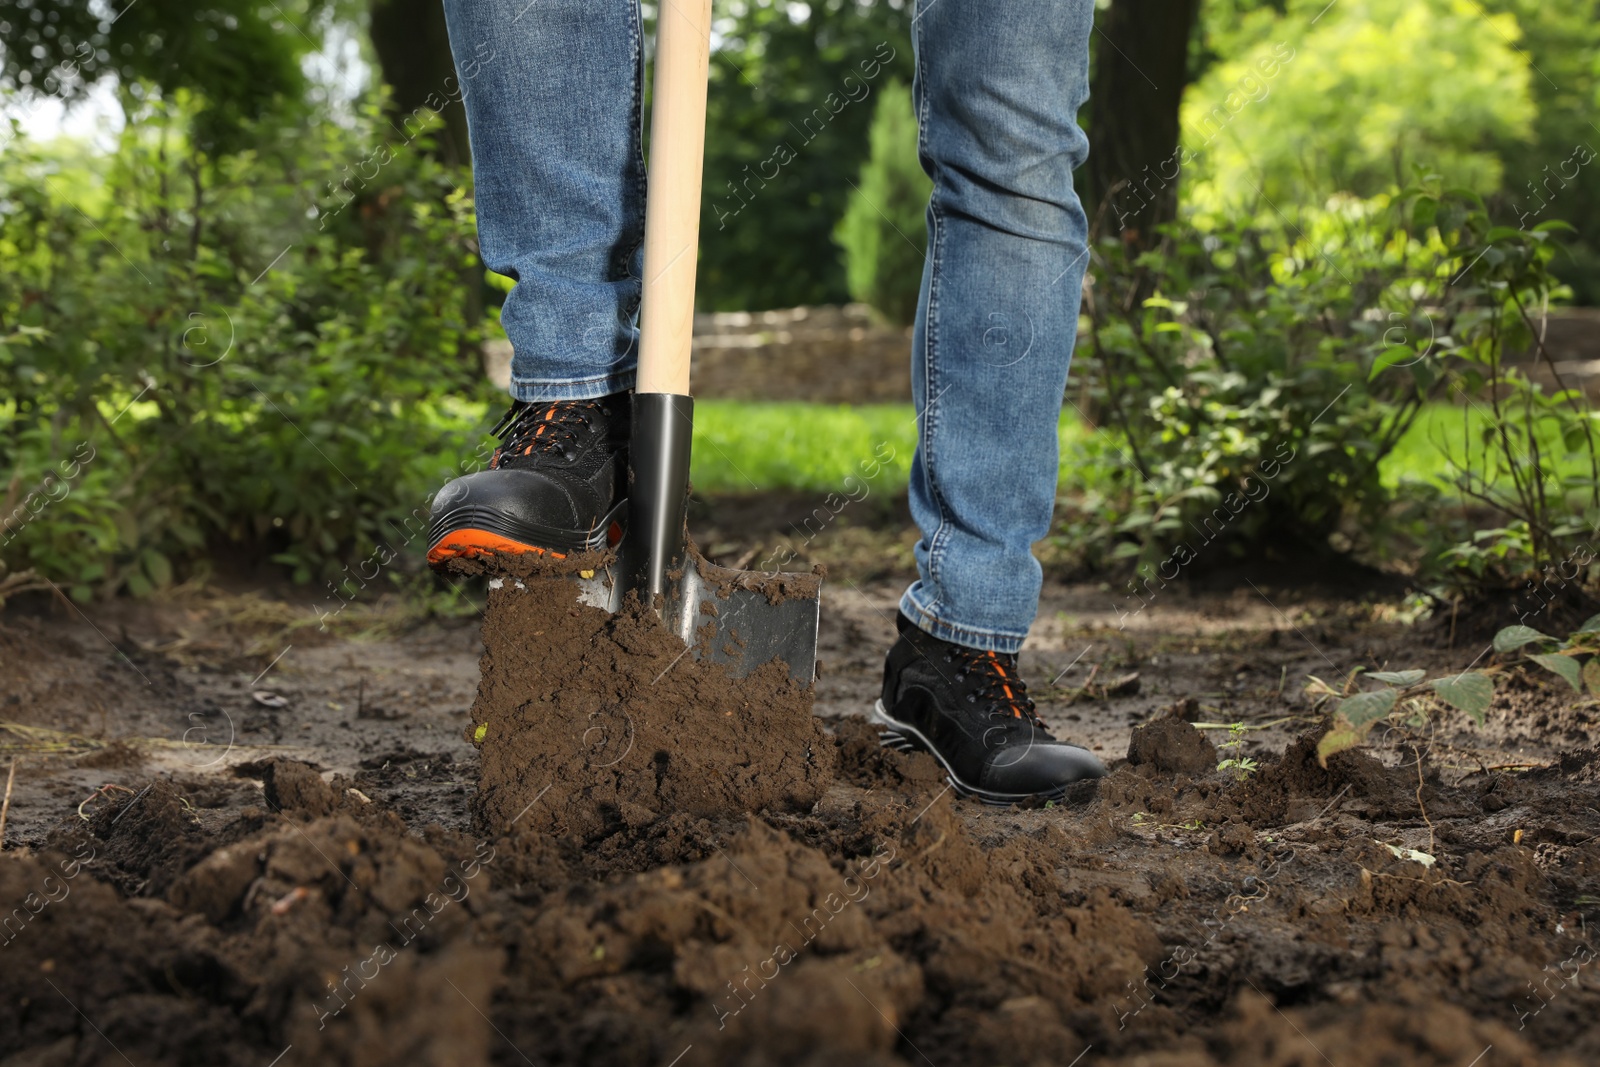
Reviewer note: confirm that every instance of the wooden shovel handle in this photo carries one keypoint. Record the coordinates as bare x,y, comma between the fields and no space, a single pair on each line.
672,206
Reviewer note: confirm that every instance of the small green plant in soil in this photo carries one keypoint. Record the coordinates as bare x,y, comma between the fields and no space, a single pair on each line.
1241,765
1576,660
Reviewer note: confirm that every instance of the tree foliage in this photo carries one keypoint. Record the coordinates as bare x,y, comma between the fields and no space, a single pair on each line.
1356,100
790,103
883,232
1253,365
241,59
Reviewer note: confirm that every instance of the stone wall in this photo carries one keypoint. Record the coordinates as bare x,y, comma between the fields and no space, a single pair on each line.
829,354
841,355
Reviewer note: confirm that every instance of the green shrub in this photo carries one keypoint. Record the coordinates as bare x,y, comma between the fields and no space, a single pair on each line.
1252,394
242,364
883,232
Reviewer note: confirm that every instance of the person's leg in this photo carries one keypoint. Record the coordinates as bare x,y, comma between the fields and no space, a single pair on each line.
552,93
998,86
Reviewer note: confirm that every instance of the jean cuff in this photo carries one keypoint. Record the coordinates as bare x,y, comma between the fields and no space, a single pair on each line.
945,630
534,390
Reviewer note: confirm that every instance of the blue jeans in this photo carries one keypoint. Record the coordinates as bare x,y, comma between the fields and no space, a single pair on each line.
554,109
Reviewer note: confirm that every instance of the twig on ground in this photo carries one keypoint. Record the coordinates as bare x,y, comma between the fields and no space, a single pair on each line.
1484,768
5,805
1338,797
1420,805
1408,878
925,853
1248,726
103,791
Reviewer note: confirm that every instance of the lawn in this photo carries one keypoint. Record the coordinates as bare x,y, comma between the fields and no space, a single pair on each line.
1446,432
743,447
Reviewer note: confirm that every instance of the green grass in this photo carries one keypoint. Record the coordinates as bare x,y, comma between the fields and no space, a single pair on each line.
744,447
1445,431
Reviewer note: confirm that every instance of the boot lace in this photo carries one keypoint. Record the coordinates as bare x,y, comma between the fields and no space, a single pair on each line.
547,428
995,681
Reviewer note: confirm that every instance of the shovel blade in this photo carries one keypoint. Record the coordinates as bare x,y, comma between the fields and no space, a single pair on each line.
743,619
740,619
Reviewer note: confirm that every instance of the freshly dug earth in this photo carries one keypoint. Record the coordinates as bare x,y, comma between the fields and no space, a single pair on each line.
279,913
1255,922
592,722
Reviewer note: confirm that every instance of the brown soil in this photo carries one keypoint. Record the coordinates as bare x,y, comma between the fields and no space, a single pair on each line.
316,891
593,722
1170,744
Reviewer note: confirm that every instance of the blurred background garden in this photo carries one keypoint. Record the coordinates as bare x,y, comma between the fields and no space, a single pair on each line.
1344,262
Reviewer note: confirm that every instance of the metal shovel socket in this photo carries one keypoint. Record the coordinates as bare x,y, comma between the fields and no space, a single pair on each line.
658,491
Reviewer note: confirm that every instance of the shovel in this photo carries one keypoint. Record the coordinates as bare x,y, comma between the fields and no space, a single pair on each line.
742,619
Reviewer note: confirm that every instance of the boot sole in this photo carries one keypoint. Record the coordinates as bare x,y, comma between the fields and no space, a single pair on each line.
903,737
474,530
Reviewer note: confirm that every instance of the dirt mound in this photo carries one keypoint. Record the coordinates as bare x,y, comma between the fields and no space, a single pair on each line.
1169,744
330,932
1425,1034
1166,921
319,935
142,839
865,762
923,929
73,943
1426,900
593,722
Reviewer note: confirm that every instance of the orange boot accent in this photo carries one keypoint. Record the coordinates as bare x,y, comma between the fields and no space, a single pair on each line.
471,544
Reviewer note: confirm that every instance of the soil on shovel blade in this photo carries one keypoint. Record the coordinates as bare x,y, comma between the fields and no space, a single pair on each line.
321,895
591,722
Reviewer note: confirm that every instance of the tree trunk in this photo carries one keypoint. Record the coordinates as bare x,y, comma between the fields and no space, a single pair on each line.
1141,65
413,49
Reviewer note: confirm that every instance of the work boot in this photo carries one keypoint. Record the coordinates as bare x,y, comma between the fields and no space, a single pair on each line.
556,486
971,710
